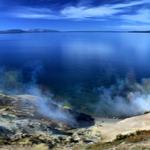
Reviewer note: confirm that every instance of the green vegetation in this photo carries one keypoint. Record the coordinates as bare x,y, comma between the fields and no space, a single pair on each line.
67,105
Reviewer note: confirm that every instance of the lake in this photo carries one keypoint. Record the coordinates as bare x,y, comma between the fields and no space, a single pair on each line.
73,64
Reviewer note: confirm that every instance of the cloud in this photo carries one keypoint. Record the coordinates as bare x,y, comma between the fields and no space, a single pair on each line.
84,12
142,16
130,4
34,13
134,27
76,12
129,13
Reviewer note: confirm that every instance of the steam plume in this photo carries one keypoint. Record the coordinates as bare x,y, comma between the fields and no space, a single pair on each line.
48,108
124,99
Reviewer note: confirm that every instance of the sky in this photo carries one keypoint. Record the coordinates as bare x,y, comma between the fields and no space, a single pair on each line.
76,15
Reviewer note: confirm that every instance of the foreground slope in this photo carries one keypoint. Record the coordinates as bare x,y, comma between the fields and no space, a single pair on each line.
23,127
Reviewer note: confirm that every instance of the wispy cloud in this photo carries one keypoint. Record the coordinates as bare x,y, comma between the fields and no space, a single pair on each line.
134,27
34,13
119,11
141,16
130,4
85,12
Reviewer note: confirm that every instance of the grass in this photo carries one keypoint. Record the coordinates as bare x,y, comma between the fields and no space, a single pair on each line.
40,147
127,142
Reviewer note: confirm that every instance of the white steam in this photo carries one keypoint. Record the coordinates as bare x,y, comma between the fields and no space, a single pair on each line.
48,108
124,99
11,83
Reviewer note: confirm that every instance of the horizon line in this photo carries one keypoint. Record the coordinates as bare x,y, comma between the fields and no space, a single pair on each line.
34,30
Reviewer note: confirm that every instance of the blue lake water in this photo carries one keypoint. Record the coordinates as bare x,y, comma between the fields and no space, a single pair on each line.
72,64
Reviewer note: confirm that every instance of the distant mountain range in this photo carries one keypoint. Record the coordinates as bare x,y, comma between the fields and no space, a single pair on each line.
106,31
140,31
26,31
49,30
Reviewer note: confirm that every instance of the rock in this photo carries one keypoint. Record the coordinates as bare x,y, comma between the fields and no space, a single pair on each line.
22,124
5,133
88,135
82,119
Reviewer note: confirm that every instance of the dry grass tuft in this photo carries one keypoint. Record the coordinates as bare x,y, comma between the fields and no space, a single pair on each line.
40,147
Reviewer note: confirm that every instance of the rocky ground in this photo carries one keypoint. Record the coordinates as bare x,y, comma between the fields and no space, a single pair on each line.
22,124
23,127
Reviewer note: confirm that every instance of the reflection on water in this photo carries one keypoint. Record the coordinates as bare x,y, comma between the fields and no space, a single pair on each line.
72,65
